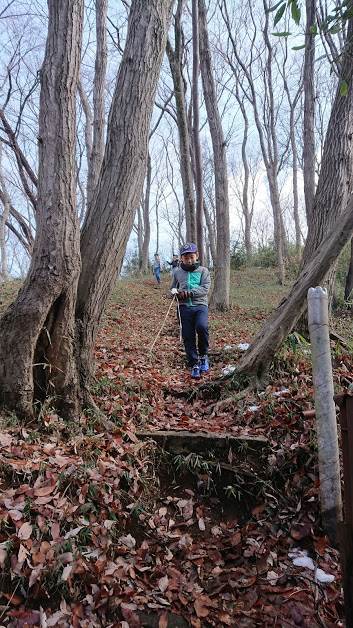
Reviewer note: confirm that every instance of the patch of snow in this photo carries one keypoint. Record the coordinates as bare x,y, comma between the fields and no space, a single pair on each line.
300,558
323,577
243,346
278,393
227,370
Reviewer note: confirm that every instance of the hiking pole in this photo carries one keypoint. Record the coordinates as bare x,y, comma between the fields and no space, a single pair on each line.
174,292
165,318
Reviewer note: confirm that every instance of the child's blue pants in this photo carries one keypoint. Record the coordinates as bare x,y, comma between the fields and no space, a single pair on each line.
194,320
157,274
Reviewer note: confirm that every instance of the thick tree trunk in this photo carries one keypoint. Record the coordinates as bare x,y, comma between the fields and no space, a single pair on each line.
264,346
109,221
196,129
175,58
146,218
38,328
336,174
309,110
100,70
220,295
332,213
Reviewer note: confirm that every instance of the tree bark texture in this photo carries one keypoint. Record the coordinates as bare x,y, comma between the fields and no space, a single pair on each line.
4,217
332,213
336,174
196,130
309,110
349,278
100,70
146,218
119,190
275,330
264,121
247,213
220,295
175,58
37,331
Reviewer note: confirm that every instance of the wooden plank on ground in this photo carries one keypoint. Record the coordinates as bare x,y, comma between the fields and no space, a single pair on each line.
178,441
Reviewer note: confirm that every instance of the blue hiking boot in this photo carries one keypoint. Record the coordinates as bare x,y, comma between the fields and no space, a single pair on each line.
195,372
204,365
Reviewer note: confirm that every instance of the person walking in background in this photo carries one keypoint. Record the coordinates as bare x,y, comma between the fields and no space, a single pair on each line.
174,263
191,283
156,268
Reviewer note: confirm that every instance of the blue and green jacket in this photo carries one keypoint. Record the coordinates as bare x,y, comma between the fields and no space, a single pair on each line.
197,282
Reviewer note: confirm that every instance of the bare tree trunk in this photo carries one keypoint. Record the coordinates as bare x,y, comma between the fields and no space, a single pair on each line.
278,228
97,152
139,236
157,228
332,213
309,110
38,328
109,221
349,279
146,218
196,130
336,174
265,122
298,237
89,121
175,58
211,232
220,295
25,235
6,203
267,342
245,196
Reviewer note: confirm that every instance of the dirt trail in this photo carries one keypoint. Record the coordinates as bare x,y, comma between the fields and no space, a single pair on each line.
107,530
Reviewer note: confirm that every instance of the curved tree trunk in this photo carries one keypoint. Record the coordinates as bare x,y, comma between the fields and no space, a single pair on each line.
109,221
257,359
38,328
331,214
220,295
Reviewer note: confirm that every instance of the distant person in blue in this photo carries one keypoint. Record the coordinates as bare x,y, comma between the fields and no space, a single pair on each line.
191,283
156,268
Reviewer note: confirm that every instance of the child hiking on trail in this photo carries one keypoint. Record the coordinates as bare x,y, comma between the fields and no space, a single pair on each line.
156,268
191,283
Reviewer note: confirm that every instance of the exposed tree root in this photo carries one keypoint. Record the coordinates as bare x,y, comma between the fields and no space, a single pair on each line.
229,402
101,418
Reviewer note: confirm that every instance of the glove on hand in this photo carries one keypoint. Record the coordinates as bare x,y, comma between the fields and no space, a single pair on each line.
174,291
183,295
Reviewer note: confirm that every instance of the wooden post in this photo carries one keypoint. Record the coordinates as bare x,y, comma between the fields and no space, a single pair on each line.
346,528
326,425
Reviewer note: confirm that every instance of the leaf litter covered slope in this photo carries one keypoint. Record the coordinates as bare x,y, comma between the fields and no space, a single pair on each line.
89,537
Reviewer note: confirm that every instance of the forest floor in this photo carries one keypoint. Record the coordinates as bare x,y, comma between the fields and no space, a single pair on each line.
108,529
